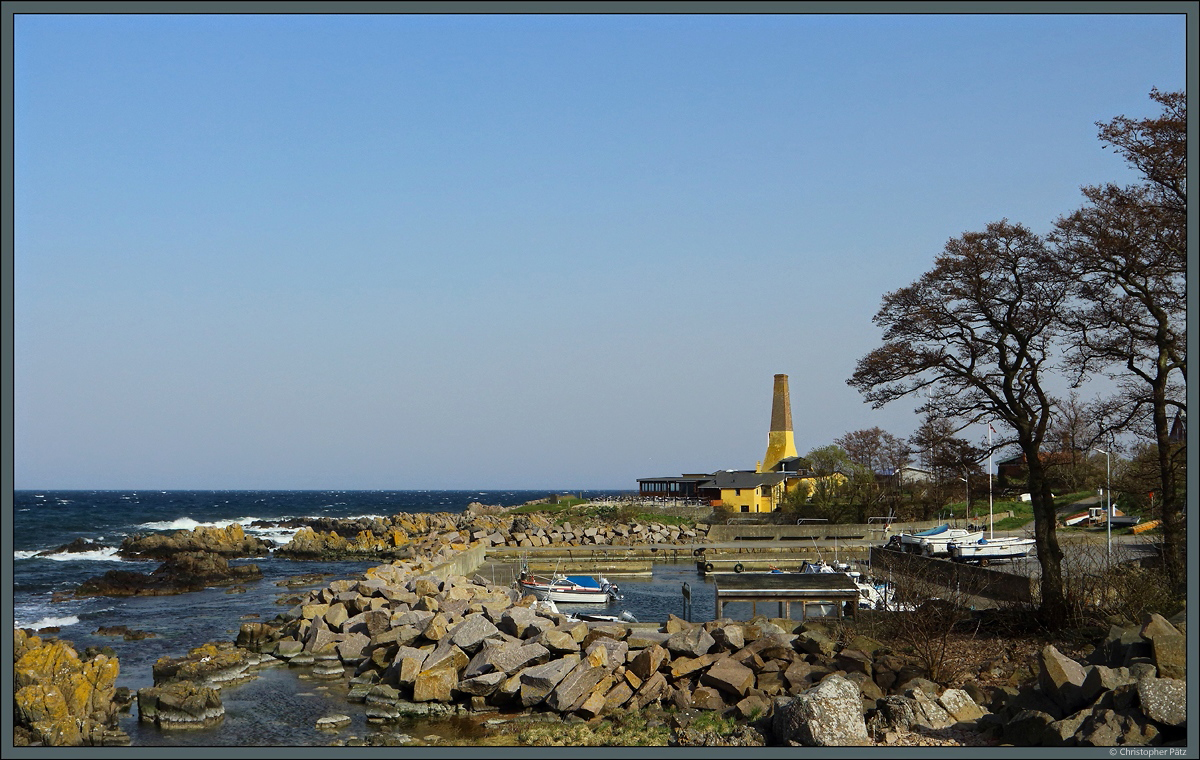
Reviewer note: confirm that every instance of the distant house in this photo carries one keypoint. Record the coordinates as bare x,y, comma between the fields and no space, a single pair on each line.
1016,467
749,491
908,476
1178,432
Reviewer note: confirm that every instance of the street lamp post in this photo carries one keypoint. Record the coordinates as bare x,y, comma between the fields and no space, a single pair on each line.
967,511
1108,508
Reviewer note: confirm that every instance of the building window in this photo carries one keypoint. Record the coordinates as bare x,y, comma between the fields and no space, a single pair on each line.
745,507
737,491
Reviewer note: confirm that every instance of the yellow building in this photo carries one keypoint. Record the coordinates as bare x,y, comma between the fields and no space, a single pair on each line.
759,490
746,491
781,443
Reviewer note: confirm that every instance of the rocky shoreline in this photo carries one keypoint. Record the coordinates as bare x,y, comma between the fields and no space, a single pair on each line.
411,638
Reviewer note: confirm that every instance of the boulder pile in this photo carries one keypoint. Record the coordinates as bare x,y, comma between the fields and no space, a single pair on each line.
61,699
1131,690
413,644
403,536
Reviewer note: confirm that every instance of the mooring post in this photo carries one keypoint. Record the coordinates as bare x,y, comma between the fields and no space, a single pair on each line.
687,601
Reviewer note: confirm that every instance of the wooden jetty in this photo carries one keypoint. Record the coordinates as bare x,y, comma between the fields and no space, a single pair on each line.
787,588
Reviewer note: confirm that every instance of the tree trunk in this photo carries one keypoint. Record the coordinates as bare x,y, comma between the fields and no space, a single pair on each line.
1174,557
1054,612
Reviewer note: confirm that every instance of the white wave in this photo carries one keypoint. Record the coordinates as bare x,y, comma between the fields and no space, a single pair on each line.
187,523
278,535
100,555
48,622
182,523
108,554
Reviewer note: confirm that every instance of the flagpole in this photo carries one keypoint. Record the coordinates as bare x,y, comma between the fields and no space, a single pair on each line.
991,517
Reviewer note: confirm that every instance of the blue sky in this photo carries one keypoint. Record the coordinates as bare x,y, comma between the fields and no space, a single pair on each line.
397,251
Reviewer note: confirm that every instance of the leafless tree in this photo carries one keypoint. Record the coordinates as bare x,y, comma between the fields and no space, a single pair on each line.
979,329
1126,253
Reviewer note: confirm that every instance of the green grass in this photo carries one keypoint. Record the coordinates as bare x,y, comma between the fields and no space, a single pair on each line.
1023,510
527,509
582,510
715,722
662,519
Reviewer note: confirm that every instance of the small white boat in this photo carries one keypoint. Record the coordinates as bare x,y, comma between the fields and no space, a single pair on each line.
911,542
592,617
935,540
1095,516
987,550
569,588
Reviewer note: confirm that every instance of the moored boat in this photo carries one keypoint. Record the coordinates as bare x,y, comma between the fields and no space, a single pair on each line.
569,588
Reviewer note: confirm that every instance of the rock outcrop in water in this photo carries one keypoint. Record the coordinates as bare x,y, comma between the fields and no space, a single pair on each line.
77,546
62,700
230,542
187,690
189,571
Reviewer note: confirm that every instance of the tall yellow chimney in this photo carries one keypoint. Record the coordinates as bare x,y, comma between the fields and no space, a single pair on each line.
780,441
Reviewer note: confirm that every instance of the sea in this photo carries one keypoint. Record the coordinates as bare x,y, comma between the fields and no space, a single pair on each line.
281,707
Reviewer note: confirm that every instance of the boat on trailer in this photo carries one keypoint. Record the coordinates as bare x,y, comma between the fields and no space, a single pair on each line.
988,550
1094,516
936,540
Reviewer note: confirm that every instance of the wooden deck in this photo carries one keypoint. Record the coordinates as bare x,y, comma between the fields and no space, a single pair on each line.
785,589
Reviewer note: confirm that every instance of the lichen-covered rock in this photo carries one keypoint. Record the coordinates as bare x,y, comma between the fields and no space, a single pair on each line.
1164,700
180,705
828,715
434,684
60,699
229,541
690,642
214,664
960,706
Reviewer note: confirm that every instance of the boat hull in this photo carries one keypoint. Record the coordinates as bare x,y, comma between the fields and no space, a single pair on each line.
939,545
985,553
563,594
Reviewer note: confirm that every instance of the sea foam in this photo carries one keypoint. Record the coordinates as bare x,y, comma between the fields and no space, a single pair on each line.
48,622
108,554
187,523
